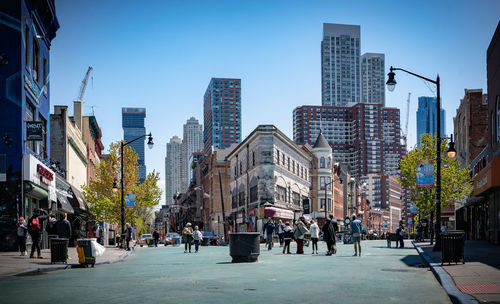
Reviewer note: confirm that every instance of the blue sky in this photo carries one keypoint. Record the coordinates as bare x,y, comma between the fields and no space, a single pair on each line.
161,55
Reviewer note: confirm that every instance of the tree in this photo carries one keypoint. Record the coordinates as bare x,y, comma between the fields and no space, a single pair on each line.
455,181
106,205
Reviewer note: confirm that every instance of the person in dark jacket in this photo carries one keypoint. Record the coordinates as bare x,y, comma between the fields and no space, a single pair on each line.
128,235
35,225
22,234
51,225
329,235
63,227
269,229
399,235
156,237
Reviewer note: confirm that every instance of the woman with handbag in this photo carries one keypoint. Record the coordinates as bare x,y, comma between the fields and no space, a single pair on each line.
187,234
300,231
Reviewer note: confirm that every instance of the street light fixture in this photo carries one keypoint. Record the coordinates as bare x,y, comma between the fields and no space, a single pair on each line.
115,187
391,84
451,149
123,144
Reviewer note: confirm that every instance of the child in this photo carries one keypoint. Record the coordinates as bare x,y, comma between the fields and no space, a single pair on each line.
287,237
198,237
22,233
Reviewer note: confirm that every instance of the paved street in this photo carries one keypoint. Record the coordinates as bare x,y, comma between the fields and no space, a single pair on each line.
166,274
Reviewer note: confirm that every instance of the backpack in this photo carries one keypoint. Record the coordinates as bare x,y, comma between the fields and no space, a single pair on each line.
35,224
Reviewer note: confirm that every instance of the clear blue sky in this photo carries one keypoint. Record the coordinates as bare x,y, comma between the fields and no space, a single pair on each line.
161,55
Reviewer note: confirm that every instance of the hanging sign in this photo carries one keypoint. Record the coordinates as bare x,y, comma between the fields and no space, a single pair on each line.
425,173
130,200
34,130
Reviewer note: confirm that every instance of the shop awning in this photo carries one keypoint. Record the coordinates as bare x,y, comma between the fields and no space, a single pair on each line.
278,212
77,201
473,200
63,203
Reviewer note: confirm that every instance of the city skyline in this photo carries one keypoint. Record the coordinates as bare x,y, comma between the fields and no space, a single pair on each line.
278,62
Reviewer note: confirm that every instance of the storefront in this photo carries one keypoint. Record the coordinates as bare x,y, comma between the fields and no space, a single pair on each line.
81,215
63,192
480,216
39,186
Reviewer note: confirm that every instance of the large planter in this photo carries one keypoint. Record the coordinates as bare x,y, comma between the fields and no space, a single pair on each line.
244,246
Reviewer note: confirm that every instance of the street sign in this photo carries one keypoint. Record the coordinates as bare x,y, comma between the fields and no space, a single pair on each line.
34,130
416,218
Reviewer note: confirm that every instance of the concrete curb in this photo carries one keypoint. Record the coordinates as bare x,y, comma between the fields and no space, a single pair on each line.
40,270
445,280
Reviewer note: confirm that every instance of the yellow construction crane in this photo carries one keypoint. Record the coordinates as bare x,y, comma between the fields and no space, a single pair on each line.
83,86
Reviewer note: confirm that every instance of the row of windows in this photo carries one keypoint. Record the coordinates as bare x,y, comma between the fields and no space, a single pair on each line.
295,168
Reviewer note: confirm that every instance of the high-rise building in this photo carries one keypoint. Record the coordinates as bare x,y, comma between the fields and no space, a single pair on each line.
427,118
340,64
373,78
222,113
173,168
366,137
133,127
191,142
26,180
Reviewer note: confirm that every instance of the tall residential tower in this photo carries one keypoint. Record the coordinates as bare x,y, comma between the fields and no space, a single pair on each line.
373,78
191,142
173,162
222,113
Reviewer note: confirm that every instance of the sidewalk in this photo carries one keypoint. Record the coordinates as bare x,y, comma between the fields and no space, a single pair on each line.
11,263
479,276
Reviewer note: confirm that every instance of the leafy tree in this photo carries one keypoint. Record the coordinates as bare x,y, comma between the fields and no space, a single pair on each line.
455,181
106,205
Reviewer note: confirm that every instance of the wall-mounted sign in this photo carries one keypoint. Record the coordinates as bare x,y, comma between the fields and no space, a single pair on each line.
425,173
307,207
45,175
34,130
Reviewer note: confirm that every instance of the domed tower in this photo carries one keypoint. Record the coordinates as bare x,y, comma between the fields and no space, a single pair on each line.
324,163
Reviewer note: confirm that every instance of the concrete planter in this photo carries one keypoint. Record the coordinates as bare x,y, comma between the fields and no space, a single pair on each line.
244,246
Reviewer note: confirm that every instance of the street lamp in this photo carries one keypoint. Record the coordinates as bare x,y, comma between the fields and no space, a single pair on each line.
123,144
391,84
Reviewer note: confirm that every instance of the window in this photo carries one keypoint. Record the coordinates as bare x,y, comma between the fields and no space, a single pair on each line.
296,198
322,183
278,156
253,159
45,72
234,202
329,162
26,42
322,205
283,158
235,171
281,193
36,60
322,162
242,199
288,163
241,167
253,194
293,166
30,116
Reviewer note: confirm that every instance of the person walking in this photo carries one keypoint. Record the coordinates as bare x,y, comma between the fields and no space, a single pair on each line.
328,235
22,234
355,231
198,237
128,235
187,234
287,237
269,229
400,232
156,237
35,230
298,234
420,232
281,231
314,229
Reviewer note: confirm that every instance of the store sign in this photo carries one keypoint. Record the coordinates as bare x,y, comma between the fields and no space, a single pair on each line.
34,130
307,206
46,176
425,173
37,173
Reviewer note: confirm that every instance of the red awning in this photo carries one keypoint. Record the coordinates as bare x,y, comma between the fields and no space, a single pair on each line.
278,212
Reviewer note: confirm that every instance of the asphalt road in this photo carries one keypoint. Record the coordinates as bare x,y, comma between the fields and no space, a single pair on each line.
168,275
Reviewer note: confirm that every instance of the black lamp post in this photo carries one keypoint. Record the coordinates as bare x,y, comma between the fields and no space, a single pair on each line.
391,84
123,144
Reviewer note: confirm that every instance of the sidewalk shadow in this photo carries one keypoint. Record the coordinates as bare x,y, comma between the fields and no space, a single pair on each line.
414,261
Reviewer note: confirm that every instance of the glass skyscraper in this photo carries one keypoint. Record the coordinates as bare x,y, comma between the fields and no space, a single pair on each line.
222,113
427,118
133,127
340,64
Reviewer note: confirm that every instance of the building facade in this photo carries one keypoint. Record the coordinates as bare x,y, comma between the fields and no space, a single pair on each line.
133,127
92,138
340,64
269,178
427,118
27,29
191,142
471,126
222,113
173,169
373,78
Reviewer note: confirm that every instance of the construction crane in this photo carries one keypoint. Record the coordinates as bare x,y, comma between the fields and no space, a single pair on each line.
83,86
405,134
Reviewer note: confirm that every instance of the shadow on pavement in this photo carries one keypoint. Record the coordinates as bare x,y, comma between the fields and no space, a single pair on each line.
414,261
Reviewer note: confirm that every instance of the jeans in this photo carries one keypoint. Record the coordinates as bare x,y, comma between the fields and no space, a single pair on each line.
35,237
315,243
280,236
187,244
21,240
287,246
269,241
196,244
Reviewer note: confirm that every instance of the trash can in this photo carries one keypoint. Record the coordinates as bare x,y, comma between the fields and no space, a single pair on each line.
58,250
244,246
85,256
452,246
112,237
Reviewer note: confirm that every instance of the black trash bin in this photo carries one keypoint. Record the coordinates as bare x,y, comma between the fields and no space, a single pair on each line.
85,256
244,246
452,246
58,250
112,237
